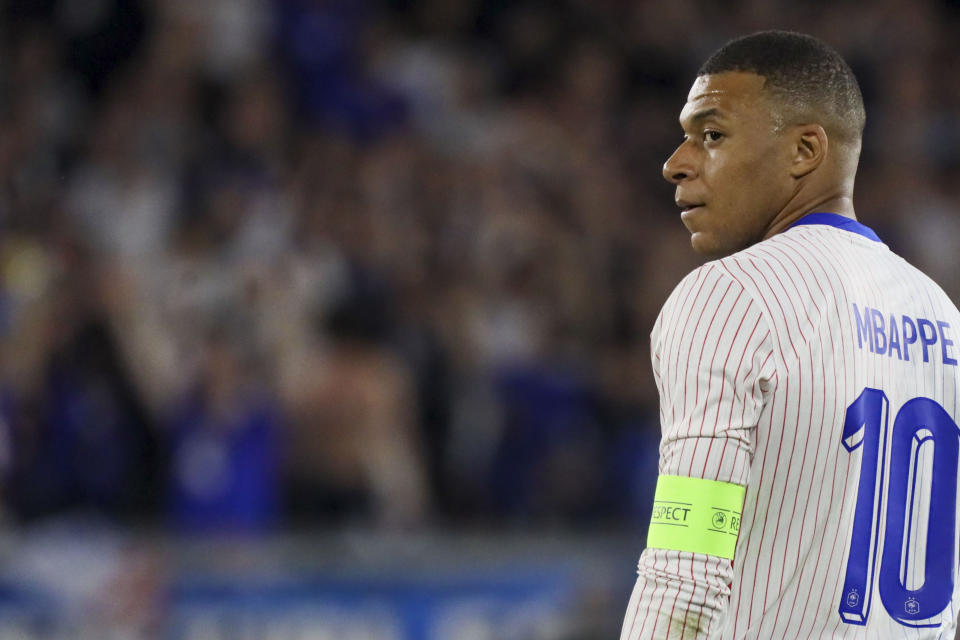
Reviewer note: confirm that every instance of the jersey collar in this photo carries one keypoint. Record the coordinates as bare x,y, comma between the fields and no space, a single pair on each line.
838,221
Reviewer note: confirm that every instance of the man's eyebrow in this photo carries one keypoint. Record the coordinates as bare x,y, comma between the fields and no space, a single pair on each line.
703,114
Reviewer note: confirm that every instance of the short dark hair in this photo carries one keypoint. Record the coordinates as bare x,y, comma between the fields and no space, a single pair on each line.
811,79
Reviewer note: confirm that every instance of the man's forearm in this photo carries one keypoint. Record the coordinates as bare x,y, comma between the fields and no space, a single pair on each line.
678,595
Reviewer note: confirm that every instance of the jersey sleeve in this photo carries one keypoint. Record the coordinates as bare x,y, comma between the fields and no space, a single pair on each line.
713,364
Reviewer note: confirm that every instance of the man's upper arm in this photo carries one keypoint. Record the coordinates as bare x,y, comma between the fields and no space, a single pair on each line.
713,357
713,364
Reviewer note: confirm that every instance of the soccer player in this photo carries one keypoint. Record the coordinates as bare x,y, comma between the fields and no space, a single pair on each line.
808,379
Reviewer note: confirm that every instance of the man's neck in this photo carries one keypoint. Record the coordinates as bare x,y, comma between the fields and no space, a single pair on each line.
840,205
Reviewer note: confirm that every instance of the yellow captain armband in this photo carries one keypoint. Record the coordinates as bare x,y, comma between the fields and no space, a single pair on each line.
693,514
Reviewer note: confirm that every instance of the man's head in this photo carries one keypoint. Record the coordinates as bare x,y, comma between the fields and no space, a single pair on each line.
772,130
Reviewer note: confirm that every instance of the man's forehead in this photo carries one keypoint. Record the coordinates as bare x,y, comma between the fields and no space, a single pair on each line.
722,93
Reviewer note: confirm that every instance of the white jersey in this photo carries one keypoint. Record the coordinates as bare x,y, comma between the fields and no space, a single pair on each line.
818,369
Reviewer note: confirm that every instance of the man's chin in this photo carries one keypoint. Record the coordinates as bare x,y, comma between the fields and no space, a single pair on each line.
709,246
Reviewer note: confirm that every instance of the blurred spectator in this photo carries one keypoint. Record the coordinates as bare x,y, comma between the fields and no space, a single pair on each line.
354,451
225,444
87,442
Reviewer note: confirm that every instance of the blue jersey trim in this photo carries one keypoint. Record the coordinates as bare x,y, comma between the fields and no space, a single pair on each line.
838,221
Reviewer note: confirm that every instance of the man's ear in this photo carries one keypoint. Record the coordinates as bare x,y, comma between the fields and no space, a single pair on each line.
810,149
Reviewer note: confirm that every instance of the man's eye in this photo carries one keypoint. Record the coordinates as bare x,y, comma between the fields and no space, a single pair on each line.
712,136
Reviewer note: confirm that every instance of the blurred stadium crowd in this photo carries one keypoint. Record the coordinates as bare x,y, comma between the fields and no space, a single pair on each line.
268,262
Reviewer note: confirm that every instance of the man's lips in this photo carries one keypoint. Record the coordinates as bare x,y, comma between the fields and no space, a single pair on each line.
686,206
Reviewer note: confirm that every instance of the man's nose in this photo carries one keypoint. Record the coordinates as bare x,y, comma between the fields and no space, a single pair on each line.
679,166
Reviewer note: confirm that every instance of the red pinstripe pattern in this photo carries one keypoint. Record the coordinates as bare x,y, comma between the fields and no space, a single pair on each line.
690,362
766,512
723,377
703,416
822,394
756,394
677,340
821,438
816,256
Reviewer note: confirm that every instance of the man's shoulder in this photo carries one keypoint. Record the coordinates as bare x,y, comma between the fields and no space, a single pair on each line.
778,273
699,293
736,270
794,265
768,256
787,271
698,283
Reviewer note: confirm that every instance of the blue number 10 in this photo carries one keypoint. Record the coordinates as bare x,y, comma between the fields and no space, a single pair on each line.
920,421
